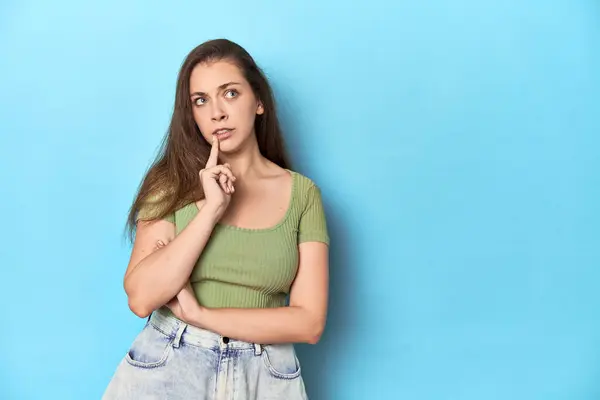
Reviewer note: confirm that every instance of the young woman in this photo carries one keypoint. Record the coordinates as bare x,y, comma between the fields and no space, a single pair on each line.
230,257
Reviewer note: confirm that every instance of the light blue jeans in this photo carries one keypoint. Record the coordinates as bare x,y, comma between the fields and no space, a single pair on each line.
173,360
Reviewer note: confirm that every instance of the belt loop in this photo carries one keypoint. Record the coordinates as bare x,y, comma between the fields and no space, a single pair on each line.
257,349
180,330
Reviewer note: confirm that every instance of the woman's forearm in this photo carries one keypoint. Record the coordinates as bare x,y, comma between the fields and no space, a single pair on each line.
160,276
265,326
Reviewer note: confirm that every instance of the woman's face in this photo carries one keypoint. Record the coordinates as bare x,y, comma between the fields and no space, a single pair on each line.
223,104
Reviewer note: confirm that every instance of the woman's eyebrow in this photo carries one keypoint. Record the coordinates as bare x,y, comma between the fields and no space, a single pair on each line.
221,87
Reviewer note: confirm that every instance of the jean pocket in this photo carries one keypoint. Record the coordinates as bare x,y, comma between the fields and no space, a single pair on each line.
150,349
281,361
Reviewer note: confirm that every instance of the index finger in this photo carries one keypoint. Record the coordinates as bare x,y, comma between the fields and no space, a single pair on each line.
214,153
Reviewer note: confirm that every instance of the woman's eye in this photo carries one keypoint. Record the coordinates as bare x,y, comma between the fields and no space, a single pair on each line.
231,93
199,101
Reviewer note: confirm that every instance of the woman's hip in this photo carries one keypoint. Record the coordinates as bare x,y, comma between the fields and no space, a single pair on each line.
171,359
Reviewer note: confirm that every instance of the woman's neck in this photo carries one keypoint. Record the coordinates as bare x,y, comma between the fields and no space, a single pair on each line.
246,163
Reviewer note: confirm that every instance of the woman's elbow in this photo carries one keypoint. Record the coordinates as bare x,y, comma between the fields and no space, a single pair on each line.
138,308
135,302
316,331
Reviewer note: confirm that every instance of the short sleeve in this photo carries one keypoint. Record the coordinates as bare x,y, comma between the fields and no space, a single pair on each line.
150,210
313,224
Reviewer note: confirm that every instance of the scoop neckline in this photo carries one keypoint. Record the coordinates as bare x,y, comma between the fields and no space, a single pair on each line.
277,225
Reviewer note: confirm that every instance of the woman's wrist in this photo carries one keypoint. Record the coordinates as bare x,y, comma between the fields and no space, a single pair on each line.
199,317
207,215
210,212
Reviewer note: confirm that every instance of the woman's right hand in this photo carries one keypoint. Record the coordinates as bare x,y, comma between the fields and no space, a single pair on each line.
217,182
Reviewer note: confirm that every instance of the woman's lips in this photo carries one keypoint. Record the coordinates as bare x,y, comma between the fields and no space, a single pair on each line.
223,134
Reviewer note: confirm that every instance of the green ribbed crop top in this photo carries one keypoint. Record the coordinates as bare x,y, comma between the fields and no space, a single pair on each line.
254,268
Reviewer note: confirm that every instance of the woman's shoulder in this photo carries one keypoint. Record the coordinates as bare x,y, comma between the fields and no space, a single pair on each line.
302,181
312,223
306,189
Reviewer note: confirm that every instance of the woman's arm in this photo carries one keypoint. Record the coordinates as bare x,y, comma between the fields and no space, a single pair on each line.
155,276
302,322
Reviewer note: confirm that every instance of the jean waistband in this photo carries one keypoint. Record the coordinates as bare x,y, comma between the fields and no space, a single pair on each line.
182,332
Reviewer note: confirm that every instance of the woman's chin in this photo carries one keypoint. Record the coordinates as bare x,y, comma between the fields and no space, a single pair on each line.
228,146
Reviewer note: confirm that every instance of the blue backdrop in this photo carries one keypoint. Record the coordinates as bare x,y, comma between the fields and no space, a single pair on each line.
456,144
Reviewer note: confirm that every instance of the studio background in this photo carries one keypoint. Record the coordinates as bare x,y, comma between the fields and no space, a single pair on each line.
456,144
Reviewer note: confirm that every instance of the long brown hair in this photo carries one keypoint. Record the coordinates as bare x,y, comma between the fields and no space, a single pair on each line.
172,179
